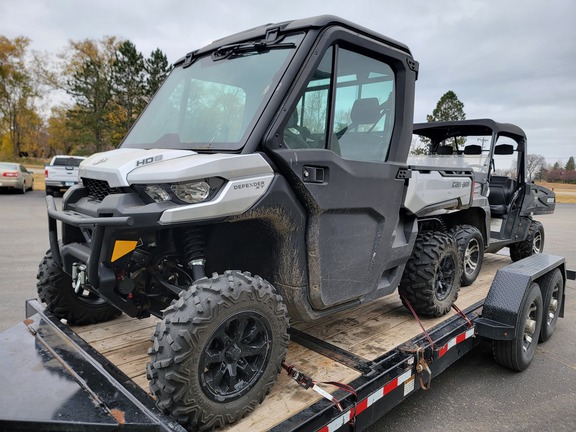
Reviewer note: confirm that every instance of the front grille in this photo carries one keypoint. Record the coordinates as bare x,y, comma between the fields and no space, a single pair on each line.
98,189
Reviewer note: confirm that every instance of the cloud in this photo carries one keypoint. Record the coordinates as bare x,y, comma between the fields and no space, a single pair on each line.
513,61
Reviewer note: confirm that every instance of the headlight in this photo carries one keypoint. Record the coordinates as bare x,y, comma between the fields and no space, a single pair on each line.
189,192
157,193
192,192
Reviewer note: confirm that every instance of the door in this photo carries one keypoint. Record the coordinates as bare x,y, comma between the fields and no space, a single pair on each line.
338,137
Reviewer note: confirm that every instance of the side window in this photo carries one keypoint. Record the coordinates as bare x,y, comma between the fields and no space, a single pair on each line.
306,127
362,120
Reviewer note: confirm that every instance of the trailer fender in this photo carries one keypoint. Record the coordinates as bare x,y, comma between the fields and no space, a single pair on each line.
507,292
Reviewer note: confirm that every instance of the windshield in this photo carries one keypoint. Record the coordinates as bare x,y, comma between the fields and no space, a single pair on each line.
456,152
213,103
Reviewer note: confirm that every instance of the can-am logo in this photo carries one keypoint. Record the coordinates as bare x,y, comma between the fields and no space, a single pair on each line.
148,160
460,185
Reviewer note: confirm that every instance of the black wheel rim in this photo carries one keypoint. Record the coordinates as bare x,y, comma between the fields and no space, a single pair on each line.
445,278
235,356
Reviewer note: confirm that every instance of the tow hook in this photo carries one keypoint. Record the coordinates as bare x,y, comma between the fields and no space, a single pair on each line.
78,277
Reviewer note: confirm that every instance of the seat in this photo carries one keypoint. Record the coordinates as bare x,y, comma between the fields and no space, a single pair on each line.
502,190
360,145
295,136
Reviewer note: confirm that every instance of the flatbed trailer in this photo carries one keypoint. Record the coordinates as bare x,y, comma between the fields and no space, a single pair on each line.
94,376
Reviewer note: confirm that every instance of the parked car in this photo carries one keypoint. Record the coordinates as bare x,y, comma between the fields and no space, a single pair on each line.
61,173
15,176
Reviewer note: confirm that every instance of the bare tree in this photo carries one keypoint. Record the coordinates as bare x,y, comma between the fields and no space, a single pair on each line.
534,163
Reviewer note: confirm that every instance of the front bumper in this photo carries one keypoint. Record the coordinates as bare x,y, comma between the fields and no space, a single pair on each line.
89,237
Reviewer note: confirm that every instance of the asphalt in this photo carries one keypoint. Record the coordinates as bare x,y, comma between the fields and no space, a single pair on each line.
474,394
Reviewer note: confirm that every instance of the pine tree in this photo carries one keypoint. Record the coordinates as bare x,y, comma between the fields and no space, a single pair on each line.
570,165
157,69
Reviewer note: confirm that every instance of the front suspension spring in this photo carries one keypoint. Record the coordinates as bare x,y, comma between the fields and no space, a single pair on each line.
194,250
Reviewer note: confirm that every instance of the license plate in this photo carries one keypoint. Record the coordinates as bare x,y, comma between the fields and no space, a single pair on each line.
69,183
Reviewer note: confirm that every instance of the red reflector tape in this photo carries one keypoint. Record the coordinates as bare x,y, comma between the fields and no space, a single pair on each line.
455,341
361,406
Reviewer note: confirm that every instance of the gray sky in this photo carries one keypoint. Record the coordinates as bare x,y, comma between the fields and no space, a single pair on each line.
510,60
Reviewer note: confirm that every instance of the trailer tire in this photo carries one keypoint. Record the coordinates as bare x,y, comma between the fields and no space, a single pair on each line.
517,354
431,279
552,286
55,289
218,350
471,247
534,243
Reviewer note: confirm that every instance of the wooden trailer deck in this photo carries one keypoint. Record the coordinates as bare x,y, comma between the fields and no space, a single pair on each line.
367,331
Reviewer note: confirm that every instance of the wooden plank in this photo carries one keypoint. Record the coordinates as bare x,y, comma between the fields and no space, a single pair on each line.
368,331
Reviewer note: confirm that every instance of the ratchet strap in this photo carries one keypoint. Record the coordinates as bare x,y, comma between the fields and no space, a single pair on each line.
307,382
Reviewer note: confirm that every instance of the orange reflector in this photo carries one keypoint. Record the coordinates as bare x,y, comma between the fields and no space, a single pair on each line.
122,247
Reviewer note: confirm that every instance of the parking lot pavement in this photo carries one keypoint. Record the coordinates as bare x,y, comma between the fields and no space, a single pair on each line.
474,394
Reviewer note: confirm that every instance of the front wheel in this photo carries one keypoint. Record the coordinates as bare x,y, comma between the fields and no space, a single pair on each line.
55,289
218,350
431,279
533,244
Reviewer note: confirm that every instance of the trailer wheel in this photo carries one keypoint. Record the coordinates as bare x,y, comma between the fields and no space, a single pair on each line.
471,246
517,354
431,279
552,286
218,350
533,244
55,289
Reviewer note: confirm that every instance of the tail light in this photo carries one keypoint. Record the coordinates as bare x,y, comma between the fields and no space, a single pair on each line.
10,174
46,173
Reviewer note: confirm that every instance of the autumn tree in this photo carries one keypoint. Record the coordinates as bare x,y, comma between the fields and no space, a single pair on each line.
17,93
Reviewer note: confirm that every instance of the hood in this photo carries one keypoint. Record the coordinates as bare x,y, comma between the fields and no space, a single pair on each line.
114,166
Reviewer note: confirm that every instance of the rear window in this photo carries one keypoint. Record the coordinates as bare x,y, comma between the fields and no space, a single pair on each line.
68,161
8,166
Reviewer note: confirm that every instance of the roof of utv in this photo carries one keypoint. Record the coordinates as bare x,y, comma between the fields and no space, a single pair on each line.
316,22
439,131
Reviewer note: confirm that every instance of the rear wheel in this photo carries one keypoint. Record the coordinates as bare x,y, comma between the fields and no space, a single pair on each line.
55,289
218,350
431,279
23,189
49,190
552,286
518,353
533,244
471,247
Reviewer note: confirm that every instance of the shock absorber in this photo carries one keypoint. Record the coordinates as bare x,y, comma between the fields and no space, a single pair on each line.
194,250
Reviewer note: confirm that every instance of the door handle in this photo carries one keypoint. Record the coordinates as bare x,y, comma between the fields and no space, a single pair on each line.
313,174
